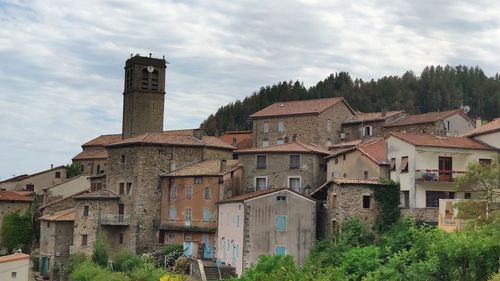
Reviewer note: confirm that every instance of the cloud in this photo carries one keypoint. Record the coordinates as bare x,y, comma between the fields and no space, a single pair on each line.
61,76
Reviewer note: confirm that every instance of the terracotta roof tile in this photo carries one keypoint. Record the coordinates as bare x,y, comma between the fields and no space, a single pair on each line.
103,140
301,107
375,150
296,147
371,116
243,138
215,142
435,141
65,215
14,196
251,195
203,168
491,127
426,118
100,194
93,153
14,257
345,144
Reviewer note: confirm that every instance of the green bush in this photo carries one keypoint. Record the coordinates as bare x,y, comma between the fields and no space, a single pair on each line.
17,231
147,272
86,271
273,268
181,265
100,252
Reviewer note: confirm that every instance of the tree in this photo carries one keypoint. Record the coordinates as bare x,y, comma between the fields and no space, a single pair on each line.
73,170
484,179
17,230
100,252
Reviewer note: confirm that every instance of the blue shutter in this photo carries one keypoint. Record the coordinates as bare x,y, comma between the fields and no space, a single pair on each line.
172,214
281,250
280,223
237,220
206,214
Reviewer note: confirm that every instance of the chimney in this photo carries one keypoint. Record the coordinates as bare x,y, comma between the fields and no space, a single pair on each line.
384,113
52,166
478,123
222,165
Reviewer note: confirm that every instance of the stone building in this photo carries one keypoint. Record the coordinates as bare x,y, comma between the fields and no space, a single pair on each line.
445,123
296,165
342,199
56,238
35,182
315,121
362,161
238,139
11,202
427,166
273,221
93,158
188,210
369,125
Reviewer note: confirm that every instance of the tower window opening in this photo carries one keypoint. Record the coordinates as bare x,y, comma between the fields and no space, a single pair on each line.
144,79
154,80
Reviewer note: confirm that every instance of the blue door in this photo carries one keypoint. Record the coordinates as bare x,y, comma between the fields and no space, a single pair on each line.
208,252
188,249
44,266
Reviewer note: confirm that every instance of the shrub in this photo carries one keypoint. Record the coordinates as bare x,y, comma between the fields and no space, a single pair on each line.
181,265
86,271
359,261
17,231
100,252
75,260
173,277
273,268
147,272
121,259
172,253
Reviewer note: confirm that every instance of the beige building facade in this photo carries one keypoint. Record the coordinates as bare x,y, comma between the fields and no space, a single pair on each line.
15,267
35,182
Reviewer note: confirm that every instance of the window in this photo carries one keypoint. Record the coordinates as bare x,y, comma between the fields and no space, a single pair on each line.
404,164
98,169
281,126
447,125
280,141
265,143
172,213
265,127
48,224
30,187
207,193
294,161
281,199
392,166
445,168
260,183
234,141
173,192
84,240
58,175
86,211
120,238
123,159
432,198
187,214
189,192
366,201
129,188
367,131
294,183
336,160
365,174
329,125
188,237
13,274
206,215
405,199
122,188
334,201
467,195
281,250
261,161
280,223
82,168
485,162
343,157
294,137
237,220
198,180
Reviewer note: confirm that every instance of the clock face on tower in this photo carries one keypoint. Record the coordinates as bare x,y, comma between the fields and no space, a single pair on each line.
150,68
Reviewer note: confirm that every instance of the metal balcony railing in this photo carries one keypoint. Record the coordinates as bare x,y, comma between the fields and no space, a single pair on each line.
429,175
115,219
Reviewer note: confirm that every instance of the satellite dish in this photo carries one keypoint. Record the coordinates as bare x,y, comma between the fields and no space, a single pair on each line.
465,108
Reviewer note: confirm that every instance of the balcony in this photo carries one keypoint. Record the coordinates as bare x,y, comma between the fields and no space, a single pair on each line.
190,225
441,176
115,219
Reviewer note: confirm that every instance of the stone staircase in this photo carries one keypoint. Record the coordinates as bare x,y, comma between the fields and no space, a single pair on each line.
211,272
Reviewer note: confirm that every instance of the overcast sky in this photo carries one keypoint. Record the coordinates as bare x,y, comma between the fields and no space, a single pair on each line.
61,62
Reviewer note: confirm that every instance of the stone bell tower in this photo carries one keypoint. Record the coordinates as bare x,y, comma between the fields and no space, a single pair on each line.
143,96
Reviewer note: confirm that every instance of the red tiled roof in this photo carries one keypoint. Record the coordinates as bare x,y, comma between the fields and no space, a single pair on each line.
100,194
427,118
65,215
173,138
93,153
435,141
297,147
103,140
203,168
243,138
491,127
375,150
251,195
14,257
371,116
315,106
14,196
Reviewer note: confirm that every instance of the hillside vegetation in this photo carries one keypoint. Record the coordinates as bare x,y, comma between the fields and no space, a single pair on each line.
436,88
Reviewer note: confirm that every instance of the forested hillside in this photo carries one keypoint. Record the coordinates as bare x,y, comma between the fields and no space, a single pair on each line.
436,88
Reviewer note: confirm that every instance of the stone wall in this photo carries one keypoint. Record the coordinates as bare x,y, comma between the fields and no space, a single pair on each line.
428,215
91,166
312,171
213,153
55,241
57,206
435,129
353,130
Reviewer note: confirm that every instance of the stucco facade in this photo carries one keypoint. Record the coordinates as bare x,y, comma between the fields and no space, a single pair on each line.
265,223
354,164
35,182
14,267
66,189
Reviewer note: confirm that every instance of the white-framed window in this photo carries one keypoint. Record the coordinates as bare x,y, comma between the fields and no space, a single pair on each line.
172,213
280,141
367,131
187,214
265,143
260,183
173,192
189,192
281,126
265,127
294,183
